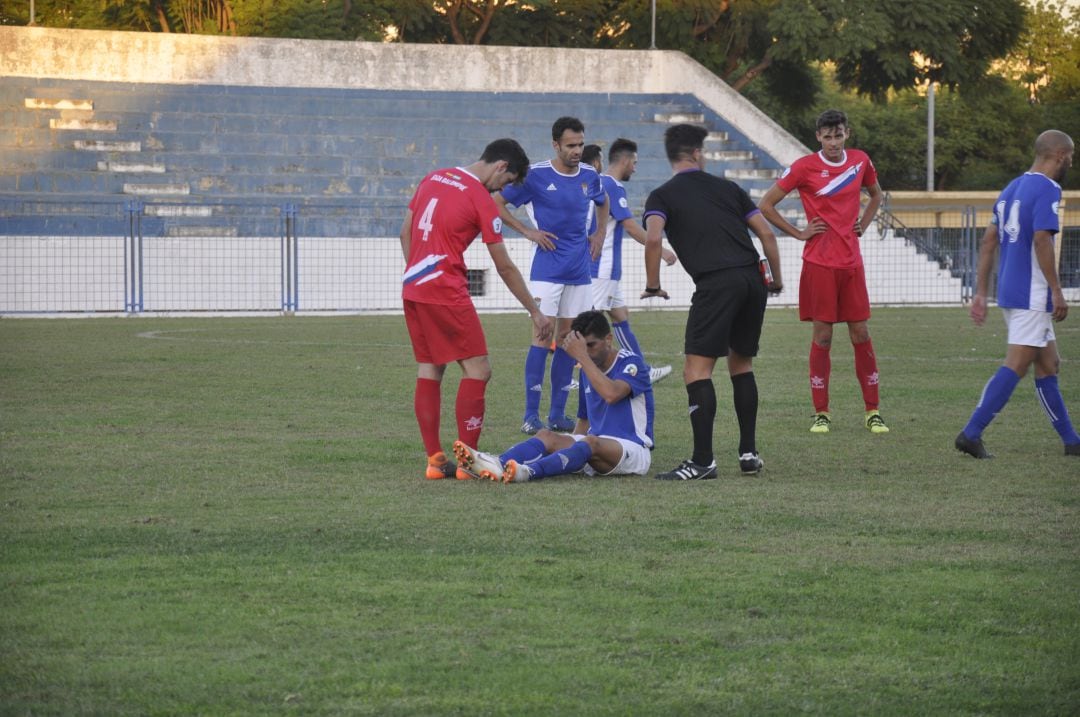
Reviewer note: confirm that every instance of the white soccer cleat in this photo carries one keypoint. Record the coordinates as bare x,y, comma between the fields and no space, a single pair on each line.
515,472
658,373
478,463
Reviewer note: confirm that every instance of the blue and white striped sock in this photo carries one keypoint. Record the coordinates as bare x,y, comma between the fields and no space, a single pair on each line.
1049,394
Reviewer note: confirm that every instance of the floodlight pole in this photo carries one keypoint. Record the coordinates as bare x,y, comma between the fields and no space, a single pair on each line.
930,136
31,12
652,43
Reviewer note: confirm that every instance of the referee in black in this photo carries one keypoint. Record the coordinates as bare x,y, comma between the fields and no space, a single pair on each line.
706,219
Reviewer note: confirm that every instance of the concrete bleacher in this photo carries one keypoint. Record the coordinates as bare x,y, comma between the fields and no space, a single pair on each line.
197,142
210,145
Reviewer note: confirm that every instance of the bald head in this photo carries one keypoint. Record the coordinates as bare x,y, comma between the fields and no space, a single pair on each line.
1051,142
1053,154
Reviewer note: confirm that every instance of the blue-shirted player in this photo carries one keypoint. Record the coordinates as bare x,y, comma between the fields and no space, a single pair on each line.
1024,225
607,268
614,430
560,196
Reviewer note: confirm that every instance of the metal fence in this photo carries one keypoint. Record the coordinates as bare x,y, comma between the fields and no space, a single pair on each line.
115,257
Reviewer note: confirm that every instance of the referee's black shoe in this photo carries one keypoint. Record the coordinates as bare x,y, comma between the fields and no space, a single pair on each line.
688,470
750,464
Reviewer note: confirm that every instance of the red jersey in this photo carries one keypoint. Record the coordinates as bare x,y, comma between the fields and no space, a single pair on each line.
449,209
831,191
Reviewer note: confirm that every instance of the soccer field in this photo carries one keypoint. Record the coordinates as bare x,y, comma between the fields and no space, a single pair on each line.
228,516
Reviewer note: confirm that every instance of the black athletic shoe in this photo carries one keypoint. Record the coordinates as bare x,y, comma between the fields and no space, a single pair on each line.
688,470
1072,449
975,448
750,464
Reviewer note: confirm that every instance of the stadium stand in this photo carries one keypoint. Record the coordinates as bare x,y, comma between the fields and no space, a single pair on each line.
188,152
152,172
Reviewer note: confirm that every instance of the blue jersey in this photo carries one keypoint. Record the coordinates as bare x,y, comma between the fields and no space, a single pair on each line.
609,264
563,205
630,418
1028,205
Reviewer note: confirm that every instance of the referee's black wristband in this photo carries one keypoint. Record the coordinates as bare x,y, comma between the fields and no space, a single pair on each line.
652,289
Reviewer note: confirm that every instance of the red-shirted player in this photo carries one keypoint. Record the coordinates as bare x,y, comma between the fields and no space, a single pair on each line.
450,208
833,284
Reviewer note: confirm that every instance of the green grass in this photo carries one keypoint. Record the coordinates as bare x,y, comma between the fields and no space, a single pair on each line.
227,516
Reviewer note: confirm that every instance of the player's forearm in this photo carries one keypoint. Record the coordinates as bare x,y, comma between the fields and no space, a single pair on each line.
771,213
653,251
634,230
871,210
987,252
510,220
609,390
772,254
406,235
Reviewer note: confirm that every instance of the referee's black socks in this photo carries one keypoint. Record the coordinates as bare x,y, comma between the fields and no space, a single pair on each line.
745,395
702,397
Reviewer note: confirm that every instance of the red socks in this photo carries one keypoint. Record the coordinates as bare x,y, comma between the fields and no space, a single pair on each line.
866,371
427,402
820,368
469,410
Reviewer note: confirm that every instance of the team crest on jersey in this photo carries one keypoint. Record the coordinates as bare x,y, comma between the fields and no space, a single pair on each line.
585,188
623,203
824,173
630,369
496,225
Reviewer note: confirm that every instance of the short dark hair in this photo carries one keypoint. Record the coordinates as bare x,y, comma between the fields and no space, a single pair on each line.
831,118
619,148
591,153
565,123
680,140
591,323
508,149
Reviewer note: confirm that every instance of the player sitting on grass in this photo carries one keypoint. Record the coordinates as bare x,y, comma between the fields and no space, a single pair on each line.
614,431
607,268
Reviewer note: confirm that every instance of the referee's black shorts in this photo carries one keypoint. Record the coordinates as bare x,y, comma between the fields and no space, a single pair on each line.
726,313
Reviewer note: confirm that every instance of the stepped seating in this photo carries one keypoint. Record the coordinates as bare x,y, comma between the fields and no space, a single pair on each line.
213,157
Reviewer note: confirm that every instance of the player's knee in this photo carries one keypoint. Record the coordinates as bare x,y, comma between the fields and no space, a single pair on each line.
593,441
546,435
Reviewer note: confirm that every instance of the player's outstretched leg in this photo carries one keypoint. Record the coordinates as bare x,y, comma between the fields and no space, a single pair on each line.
478,463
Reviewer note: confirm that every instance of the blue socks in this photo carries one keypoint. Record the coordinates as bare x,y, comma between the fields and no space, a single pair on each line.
568,460
1049,394
524,452
995,395
535,367
562,373
626,337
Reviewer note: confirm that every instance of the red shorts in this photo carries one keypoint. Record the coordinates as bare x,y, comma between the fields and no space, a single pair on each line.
444,334
833,295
